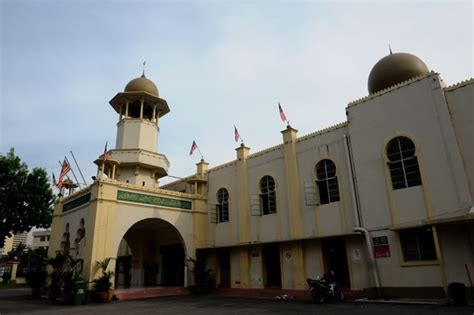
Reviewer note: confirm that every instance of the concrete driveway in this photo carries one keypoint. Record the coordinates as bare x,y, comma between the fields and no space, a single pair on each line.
18,301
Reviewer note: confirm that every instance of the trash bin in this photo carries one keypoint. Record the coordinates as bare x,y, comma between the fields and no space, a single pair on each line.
457,293
79,292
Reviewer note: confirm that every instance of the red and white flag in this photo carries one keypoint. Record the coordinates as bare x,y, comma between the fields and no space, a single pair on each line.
193,147
236,134
55,183
65,168
105,156
282,113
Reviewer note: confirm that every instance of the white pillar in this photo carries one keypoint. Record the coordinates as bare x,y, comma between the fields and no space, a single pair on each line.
141,108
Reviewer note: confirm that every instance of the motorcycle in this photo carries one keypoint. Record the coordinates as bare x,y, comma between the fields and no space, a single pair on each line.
325,288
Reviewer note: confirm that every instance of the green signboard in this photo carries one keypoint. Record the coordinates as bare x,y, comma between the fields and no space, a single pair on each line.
380,240
154,200
79,201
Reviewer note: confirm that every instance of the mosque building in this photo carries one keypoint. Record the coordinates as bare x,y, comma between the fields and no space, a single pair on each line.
384,199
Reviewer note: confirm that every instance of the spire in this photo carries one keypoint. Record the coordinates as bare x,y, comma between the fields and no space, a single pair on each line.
143,73
390,49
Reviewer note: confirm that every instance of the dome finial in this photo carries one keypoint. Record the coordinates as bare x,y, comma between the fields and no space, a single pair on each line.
143,73
390,49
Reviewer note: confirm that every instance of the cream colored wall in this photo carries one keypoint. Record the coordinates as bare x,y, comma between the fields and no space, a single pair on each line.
271,227
358,263
409,205
460,102
458,252
337,217
136,133
129,214
73,217
394,273
418,111
255,270
313,259
225,233
136,176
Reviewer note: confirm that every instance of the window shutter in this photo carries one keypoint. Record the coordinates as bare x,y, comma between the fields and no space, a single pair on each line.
213,214
255,205
311,194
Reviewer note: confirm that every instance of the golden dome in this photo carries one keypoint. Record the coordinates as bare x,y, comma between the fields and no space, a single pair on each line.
394,69
142,84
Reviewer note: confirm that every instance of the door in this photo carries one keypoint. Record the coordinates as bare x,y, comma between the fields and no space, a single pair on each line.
224,267
271,265
335,259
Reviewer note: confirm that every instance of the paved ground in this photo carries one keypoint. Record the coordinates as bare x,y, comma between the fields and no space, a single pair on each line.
18,301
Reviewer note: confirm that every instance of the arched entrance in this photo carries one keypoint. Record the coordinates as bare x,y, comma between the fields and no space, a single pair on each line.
151,253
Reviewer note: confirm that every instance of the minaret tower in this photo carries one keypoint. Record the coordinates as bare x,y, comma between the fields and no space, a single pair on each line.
135,159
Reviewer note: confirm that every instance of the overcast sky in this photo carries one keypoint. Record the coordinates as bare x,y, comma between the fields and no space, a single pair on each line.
217,63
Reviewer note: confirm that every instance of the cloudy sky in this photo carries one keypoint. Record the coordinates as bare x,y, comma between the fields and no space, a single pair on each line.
217,63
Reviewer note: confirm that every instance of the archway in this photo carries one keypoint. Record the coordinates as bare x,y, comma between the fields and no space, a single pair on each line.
151,253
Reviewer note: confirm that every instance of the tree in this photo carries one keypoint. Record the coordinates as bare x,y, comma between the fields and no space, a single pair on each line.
26,198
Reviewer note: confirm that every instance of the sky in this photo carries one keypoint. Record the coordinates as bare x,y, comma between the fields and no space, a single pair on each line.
217,63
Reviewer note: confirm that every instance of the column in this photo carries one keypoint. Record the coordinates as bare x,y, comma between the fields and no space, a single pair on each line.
243,193
292,182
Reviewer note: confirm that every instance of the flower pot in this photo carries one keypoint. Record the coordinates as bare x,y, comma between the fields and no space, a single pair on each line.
54,293
101,297
68,298
36,292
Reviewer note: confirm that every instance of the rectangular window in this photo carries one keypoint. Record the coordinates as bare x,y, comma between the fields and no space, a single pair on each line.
418,244
42,238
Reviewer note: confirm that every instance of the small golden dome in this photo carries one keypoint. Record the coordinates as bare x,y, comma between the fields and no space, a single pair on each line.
394,69
142,84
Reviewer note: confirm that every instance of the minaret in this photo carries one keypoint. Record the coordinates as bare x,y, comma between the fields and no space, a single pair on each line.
135,159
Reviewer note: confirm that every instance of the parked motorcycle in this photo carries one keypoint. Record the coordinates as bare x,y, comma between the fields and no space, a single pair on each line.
325,288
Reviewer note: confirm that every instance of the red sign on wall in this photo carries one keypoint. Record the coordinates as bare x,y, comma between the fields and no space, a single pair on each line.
381,251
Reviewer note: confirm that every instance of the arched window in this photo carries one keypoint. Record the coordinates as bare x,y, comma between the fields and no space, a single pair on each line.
223,205
327,181
403,163
267,195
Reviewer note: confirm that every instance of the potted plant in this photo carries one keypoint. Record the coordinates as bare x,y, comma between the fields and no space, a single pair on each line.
56,276
202,275
36,274
103,284
71,277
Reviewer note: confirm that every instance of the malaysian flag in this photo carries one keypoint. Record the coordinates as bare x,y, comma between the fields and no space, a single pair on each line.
282,113
105,156
193,147
236,134
65,168
55,183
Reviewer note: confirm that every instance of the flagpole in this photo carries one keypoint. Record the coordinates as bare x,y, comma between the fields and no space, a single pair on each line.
80,172
74,174
197,147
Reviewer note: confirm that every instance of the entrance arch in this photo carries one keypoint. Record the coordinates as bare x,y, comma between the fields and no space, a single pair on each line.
151,253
